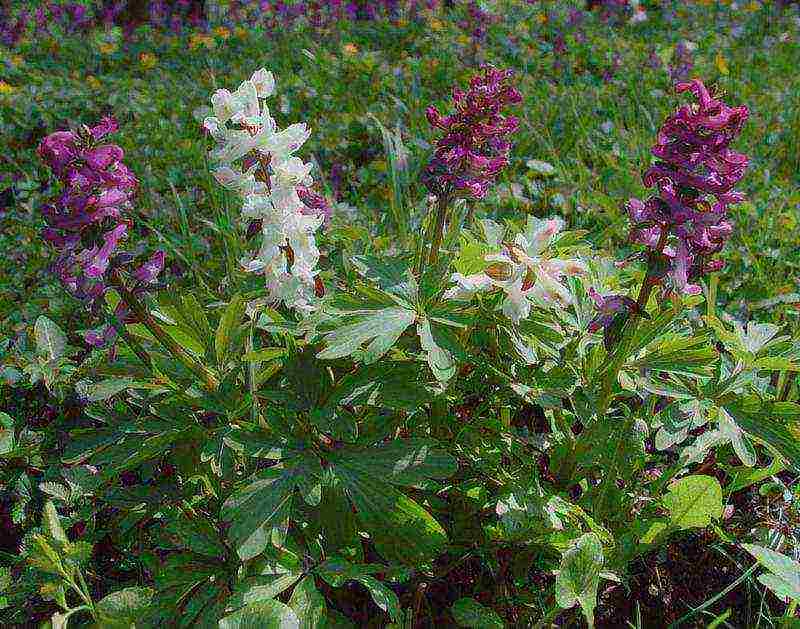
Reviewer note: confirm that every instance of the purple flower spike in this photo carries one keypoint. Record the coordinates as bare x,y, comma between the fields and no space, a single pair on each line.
475,146
89,219
687,221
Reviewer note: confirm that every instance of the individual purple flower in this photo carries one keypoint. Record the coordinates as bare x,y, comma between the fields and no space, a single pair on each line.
612,311
687,223
315,203
475,146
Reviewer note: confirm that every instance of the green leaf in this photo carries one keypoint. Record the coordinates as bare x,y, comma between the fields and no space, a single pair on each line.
400,462
122,608
383,597
776,424
227,327
400,527
440,360
308,604
468,612
379,329
6,434
262,615
52,523
255,510
784,572
50,340
579,576
108,388
694,501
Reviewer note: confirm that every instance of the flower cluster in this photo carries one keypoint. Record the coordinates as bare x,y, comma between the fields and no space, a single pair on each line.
90,217
478,22
686,223
522,269
475,145
256,160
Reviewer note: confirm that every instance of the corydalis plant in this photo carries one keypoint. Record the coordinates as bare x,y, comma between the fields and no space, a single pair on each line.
256,160
90,217
474,147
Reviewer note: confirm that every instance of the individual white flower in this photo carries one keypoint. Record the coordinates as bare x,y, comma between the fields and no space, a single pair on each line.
468,286
282,144
242,182
245,102
516,305
224,105
293,171
264,82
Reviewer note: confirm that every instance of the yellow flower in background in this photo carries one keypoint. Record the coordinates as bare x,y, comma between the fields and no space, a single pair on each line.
5,88
722,64
241,31
107,47
350,49
542,18
201,39
436,25
753,6
147,60
222,32
464,39
16,60
92,82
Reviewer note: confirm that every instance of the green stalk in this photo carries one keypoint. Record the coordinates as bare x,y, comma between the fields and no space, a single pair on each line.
442,205
166,341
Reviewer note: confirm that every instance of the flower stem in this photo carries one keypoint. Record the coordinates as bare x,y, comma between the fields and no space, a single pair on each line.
166,341
442,205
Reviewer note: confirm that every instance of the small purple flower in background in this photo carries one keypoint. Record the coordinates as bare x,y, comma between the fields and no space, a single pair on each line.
611,309
682,62
91,216
686,223
475,146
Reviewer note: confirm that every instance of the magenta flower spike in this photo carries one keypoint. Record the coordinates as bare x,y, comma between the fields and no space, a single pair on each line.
89,219
687,222
475,144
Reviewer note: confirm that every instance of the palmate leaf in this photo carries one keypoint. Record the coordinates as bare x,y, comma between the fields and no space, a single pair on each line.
50,340
467,612
378,329
784,572
400,528
579,576
259,508
776,424
401,462
227,328
675,353
308,604
337,571
120,610
270,614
